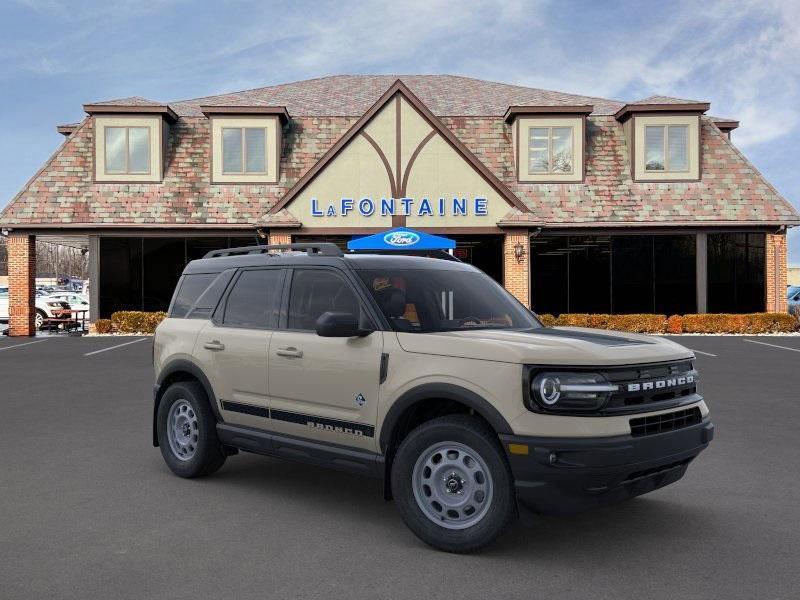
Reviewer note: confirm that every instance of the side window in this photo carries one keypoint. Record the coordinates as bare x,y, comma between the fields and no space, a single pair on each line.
254,301
316,291
191,286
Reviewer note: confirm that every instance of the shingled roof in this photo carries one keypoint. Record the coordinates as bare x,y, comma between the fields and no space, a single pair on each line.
731,191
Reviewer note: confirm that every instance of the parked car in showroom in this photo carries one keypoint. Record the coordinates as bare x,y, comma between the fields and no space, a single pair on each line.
422,372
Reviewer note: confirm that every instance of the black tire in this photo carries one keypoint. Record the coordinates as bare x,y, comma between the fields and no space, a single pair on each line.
43,315
208,455
476,435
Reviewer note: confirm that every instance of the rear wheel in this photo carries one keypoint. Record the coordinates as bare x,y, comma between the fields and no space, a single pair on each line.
452,484
39,319
187,432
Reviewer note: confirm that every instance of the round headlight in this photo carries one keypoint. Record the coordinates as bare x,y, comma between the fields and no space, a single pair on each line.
549,389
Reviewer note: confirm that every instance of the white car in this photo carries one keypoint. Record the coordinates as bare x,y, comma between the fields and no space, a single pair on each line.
76,300
46,307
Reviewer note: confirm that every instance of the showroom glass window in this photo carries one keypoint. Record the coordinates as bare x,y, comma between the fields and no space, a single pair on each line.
141,273
244,150
666,148
127,150
550,150
736,265
614,274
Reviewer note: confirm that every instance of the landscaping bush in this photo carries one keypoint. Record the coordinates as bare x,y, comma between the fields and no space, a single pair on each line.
136,321
674,324
752,323
103,326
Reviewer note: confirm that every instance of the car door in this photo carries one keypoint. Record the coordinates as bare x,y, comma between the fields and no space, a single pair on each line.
232,348
324,388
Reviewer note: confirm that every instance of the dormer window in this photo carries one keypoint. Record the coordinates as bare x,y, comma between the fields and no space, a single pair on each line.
548,142
666,148
127,150
245,143
550,150
129,140
244,150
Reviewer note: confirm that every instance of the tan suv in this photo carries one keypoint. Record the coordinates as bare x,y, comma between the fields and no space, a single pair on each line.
423,372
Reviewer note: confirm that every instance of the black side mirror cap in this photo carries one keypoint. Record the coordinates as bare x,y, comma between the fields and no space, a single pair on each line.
340,324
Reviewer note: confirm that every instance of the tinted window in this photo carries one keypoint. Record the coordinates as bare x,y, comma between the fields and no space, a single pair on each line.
191,287
430,300
316,291
254,300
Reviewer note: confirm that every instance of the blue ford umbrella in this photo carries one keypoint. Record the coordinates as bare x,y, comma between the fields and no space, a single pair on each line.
401,238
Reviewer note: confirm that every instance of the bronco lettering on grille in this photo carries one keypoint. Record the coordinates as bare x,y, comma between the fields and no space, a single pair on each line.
659,384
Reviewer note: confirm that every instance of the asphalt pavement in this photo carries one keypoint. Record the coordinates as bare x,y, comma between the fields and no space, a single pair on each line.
89,510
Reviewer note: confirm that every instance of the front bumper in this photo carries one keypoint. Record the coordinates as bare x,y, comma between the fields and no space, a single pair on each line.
568,475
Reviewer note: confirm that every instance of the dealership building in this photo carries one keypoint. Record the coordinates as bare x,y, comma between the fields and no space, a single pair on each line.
573,203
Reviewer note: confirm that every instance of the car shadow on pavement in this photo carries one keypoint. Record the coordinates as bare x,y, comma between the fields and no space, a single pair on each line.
635,527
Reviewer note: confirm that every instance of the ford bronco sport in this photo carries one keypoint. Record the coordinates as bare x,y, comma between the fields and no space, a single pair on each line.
423,372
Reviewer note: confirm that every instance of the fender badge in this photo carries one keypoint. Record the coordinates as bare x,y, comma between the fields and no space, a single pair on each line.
359,399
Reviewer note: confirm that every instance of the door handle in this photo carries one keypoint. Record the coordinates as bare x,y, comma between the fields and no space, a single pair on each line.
215,345
290,352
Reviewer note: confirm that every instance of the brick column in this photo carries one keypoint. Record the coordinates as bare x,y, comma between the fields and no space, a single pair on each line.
21,284
516,273
280,236
775,273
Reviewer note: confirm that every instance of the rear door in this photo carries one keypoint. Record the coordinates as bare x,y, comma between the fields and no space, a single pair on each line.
324,388
232,348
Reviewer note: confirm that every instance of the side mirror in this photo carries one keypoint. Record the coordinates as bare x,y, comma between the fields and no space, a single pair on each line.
340,324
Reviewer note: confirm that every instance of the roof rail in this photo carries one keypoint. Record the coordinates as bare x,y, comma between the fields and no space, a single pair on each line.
322,249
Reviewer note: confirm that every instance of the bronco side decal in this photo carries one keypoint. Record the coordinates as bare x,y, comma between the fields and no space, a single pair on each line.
320,423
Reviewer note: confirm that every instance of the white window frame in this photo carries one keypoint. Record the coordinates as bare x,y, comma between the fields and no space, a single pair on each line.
127,129
244,171
550,170
665,148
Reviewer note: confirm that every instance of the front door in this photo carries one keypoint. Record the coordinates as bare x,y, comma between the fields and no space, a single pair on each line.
324,388
233,347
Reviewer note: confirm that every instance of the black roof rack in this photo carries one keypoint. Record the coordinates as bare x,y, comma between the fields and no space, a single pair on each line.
320,249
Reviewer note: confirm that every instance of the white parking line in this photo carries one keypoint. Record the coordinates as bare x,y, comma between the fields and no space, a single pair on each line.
114,347
772,345
703,353
21,345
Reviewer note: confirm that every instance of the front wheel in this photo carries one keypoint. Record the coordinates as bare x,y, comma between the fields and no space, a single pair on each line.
187,431
453,485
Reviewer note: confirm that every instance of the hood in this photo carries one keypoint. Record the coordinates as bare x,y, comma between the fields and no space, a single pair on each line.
547,346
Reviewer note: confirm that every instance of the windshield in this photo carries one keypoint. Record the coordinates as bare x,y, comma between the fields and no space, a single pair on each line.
433,300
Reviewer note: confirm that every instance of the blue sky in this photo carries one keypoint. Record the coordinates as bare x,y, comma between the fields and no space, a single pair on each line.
56,55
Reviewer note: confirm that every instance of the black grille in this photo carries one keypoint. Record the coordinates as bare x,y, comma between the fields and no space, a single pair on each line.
665,422
648,384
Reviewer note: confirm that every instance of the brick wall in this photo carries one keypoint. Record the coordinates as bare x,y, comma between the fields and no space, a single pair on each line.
776,273
280,236
516,274
21,284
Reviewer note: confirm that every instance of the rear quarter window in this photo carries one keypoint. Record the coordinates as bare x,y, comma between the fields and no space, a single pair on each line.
190,287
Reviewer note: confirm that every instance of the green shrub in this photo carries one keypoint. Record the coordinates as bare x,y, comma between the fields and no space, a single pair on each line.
136,321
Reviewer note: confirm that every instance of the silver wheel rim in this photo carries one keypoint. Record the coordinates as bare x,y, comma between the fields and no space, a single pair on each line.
39,320
452,485
183,430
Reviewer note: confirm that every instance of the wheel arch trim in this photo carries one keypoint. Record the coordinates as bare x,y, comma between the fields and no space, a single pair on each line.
440,391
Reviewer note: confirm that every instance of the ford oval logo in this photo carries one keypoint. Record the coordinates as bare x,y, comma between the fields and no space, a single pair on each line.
401,238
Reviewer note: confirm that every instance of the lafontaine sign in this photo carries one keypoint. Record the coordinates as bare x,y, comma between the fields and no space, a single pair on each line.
422,207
